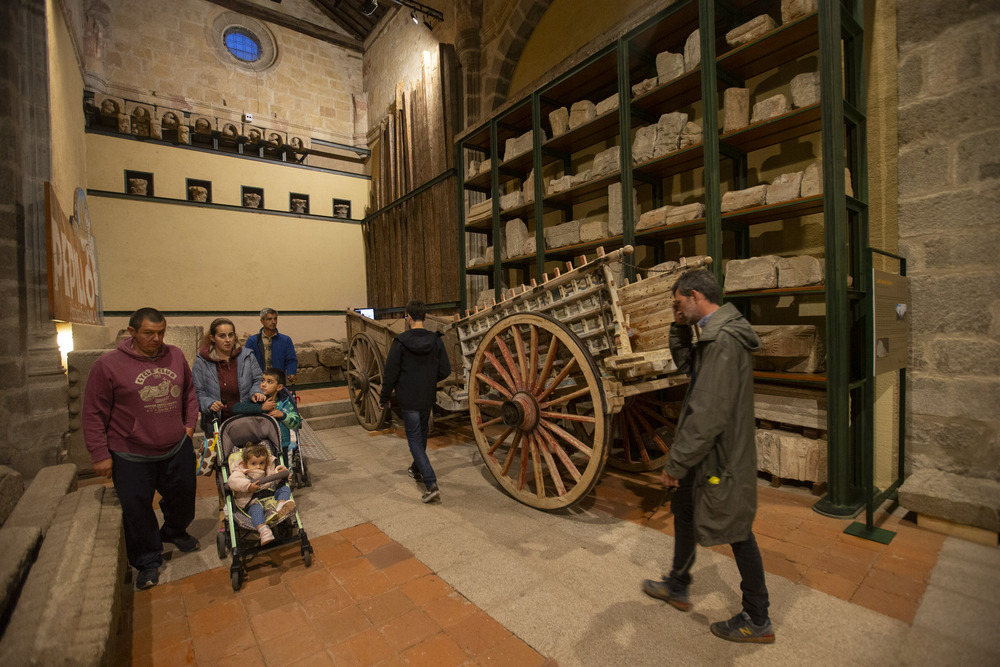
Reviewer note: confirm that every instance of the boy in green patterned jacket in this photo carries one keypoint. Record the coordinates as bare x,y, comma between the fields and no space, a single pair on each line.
278,403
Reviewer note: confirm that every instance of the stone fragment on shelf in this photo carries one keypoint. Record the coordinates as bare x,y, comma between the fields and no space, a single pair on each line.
530,246
788,455
793,9
488,255
751,274
784,188
593,230
692,51
800,271
607,162
654,218
668,132
582,177
517,145
473,168
480,209
812,180
607,104
669,66
734,200
565,234
581,113
644,87
559,120
805,89
751,30
515,234
642,147
511,200
769,108
560,184
485,165
679,214
474,261
690,135
789,348
735,109
528,187
615,226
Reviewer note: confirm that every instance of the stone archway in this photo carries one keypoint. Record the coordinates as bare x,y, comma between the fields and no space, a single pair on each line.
500,55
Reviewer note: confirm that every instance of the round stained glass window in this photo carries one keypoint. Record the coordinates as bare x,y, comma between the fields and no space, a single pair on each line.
243,45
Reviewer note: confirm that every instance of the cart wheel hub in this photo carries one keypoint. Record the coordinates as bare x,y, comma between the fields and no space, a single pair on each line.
521,411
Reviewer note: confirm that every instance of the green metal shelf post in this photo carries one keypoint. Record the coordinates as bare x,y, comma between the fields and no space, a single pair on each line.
710,136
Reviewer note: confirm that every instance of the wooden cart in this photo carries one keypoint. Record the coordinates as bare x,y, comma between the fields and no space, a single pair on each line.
559,379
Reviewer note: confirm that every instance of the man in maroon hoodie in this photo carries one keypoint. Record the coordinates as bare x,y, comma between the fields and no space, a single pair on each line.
139,413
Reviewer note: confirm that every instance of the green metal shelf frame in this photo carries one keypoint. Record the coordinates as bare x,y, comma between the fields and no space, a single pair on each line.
850,431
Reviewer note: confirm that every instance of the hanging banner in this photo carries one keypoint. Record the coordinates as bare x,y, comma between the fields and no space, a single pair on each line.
74,281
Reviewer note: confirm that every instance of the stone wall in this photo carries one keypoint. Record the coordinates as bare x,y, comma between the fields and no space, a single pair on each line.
949,209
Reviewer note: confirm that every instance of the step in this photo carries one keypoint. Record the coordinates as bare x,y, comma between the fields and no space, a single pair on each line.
325,408
333,421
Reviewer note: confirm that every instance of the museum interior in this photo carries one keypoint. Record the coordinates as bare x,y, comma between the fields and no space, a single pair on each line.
539,173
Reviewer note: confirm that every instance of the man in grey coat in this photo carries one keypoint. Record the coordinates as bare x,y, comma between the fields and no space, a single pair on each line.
713,460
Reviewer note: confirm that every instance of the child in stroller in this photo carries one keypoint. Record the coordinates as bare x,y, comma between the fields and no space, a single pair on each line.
256,497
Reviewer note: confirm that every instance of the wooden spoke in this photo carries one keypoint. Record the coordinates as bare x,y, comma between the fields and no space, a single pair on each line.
533,378
364,381
638,441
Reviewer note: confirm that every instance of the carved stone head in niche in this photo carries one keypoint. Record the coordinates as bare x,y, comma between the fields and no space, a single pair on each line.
296,143
202,126
255,135
298,205
109,107
229,131
251,200
274,139
170,121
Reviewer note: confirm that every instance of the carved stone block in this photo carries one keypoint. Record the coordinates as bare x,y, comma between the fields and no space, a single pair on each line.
668,132
517,145
644,87
530,246
791,456
582,177
794,406
812,180
642,147
669,66
692,51
299,205
480,209
593,230
793,9
784,188
751,274
800,271
528,187
511,200
251,200
657,217
560,184
515,234
473,168
792,348
198,193
769,108
488,255
735,109
615,203
679,214
690,135
607,162
607,104
751,30
581,113
735,200
138,186
805,89
565,234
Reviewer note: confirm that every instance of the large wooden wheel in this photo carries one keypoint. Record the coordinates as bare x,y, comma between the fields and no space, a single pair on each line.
364,381
537,409
641,435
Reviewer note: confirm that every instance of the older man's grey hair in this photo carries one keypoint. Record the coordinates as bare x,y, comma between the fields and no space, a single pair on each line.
264,312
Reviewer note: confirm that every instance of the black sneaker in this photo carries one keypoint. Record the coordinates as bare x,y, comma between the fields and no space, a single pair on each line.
147,578
741,629
661,590
414,473
184,542
431,494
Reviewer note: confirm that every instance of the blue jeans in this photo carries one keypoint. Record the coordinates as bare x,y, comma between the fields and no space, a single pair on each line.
415,423
746,553
255,508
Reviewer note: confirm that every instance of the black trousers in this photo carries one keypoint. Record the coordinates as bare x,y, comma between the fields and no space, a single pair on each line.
746,553
136,484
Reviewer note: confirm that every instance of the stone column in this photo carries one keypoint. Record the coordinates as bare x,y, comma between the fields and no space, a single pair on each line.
468,47
32,382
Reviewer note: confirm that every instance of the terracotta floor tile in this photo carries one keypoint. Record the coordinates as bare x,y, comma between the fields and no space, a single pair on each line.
340,625
178,654
918,570
144,612
409,629
219,592
450,609
160,635
369,543
367,586
852,552
918,554
320,659
792,552
314,583
327,541
343,656
333,599
369,646
392,661
437,651
886,603
274,596
425,589
218,616
284,647
511,652
777,564
829,583
852,570
381,609
905,587
335,553
388,555
250,657
477,633
360,530
861,543
230,641
285,619
351,569
808,540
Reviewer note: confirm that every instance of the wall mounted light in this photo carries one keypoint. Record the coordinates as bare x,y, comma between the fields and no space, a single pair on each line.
368,7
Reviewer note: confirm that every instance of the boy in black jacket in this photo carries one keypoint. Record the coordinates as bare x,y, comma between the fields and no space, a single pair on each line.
417,361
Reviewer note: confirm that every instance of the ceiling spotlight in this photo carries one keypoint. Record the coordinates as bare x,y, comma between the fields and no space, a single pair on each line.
413,15
368,7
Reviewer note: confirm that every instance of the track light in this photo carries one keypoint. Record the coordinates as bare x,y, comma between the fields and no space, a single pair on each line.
368,7
413,15
428,24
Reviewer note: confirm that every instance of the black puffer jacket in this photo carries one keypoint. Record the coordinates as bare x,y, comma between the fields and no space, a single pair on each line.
417,361
715,433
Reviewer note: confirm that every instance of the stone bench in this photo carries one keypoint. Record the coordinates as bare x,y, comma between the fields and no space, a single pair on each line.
67,598
957,499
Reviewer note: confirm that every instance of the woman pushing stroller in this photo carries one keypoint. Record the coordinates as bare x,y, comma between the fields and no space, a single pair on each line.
263,501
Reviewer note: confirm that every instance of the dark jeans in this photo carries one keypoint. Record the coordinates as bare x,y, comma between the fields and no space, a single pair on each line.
415,423
748,560
136,483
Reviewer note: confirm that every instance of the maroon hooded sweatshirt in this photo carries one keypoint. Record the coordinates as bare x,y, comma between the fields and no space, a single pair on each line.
138,405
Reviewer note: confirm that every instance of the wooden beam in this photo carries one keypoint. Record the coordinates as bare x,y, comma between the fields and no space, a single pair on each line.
284,20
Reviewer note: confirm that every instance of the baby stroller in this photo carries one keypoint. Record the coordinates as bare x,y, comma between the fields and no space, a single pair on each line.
238,534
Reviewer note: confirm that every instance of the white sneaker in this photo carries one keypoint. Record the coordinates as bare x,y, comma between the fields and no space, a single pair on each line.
266,536
284,508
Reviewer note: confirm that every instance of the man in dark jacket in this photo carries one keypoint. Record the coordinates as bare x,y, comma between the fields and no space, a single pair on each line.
273,349
417,361
713,460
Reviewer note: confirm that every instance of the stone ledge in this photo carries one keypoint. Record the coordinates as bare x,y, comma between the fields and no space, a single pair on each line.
37,506
11,489
959,499
20,547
